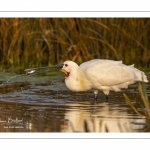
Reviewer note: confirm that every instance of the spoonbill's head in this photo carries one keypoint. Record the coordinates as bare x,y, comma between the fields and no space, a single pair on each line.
68,67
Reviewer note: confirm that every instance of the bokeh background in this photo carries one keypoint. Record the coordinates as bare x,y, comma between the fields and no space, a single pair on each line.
34,42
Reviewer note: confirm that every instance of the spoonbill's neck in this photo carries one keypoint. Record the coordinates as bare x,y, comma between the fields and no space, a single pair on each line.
72,75
76,81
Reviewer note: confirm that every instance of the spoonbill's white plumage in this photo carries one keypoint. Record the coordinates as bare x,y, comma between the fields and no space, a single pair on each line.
100,74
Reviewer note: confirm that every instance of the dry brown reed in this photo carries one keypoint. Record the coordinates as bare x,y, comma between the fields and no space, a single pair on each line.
145,104
34,42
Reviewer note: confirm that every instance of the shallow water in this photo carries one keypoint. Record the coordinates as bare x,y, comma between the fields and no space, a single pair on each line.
44,104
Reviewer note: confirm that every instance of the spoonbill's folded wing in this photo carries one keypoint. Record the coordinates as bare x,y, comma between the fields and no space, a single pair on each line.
110,73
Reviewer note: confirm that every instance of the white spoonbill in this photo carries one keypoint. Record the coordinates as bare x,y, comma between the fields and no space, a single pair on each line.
99,74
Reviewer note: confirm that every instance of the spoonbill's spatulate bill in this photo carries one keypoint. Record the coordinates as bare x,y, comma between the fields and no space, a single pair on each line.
99,74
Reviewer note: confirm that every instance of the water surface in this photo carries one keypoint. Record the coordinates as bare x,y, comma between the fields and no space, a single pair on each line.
42,103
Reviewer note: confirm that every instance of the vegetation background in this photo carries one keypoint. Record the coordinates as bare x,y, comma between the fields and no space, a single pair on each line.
35,42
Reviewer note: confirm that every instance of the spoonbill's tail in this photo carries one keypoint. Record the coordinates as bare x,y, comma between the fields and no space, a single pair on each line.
139,75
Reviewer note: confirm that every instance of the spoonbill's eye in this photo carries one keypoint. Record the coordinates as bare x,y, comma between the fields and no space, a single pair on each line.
66,65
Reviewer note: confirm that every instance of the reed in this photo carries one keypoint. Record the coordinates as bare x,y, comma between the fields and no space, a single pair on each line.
145,104
34,42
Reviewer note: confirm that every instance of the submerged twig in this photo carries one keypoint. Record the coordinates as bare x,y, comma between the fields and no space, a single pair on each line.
131,105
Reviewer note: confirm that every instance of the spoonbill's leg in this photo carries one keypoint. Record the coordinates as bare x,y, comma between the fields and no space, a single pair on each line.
106,96
95,95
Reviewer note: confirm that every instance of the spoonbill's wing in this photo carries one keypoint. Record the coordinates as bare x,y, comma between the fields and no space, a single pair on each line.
97,62
107,72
